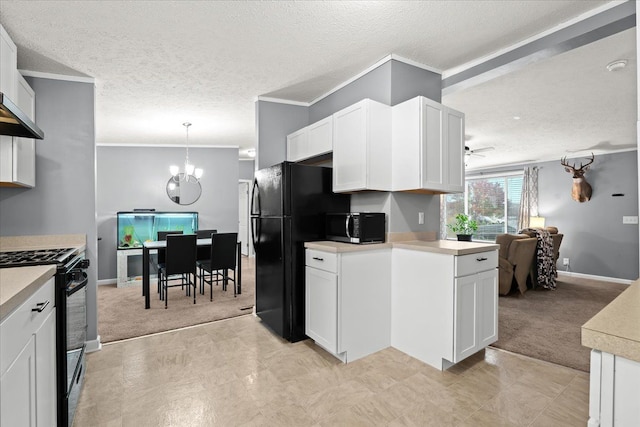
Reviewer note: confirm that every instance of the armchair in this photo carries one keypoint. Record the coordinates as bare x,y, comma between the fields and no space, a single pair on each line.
515,258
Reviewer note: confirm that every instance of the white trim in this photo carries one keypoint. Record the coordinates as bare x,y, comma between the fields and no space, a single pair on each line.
594,277
52,76
246,159
282,101
107,282
93,345
460,68
546,159
102,144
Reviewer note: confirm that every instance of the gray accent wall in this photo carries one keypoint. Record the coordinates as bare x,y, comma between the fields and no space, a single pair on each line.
64,198
136,177
595,240
274,121
246,169
408,82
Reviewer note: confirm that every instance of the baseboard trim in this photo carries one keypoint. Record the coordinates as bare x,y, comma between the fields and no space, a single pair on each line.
594,277
94,345
107,282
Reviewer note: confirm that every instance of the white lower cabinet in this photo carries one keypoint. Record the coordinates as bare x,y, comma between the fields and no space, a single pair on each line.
28,362
614,390
444,307
347,301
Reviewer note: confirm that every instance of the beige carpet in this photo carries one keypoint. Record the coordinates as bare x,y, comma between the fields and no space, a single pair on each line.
121,312
546,324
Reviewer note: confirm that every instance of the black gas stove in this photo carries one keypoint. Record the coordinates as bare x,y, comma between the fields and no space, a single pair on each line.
71,318
35,257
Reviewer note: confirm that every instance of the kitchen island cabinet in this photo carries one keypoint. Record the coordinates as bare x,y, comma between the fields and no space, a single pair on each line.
444,304
428,147
614,336
347,301
28,351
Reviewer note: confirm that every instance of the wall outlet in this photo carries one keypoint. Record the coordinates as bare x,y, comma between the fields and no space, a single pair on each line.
565,261
630,219
420,217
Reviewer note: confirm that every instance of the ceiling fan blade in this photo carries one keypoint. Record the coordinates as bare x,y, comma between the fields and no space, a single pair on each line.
477,155
482,150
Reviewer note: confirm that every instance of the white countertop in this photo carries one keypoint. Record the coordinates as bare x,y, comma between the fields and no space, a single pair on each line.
18,284
451,247
616,328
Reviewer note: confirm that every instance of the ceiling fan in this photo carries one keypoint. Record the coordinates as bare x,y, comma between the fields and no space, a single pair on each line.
469,152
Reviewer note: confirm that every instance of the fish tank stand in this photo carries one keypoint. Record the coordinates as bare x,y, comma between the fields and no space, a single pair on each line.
136,227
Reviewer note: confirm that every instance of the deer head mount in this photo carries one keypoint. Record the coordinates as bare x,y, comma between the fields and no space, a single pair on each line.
581,190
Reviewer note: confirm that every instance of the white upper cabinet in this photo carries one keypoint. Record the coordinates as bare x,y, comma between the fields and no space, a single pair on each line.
428,147
18,155
311,141
362,147
298,145
8,65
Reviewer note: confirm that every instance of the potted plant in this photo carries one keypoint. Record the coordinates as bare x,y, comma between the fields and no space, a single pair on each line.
463,227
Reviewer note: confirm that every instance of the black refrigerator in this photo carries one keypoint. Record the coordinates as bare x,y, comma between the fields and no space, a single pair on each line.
288,204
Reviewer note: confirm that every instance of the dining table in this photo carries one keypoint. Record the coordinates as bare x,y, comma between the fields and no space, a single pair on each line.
161,245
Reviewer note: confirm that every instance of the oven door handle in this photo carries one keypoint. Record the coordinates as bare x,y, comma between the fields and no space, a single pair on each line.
77,286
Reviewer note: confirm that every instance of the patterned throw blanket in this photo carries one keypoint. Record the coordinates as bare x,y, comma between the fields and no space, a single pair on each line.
546,268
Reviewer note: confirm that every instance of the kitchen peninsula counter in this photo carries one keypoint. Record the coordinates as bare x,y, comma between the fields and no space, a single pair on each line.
57,241
450,247
615,329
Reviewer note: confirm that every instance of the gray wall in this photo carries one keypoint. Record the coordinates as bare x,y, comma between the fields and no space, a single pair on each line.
246,169
375,85
274,121
140,182
408,82
595,240
64,199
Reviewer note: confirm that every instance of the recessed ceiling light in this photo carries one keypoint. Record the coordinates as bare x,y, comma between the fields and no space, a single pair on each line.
616,65
516,117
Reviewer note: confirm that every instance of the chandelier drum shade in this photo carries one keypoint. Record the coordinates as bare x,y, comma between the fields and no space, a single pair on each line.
190,171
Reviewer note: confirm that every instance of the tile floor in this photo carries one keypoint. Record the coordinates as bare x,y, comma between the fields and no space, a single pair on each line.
236,373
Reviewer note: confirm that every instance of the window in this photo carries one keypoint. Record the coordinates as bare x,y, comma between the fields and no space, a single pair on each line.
493,201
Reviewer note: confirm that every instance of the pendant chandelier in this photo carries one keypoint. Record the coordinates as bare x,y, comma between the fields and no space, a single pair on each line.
190,171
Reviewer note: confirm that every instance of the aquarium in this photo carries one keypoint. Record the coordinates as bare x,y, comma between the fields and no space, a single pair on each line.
135,228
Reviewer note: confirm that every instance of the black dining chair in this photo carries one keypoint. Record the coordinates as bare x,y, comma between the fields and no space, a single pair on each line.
203,251
223,258
161,237
180,259
205,234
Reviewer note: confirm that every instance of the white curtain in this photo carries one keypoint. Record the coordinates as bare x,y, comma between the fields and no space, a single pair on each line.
529,197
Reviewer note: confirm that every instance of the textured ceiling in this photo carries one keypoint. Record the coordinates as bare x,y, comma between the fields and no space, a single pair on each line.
158,64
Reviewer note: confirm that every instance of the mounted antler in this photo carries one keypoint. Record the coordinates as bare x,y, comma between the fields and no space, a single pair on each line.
581,190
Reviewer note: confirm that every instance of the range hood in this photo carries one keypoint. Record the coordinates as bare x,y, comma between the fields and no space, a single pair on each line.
15,122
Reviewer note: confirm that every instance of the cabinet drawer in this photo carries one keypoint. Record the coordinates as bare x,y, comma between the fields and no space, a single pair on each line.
322,260
17,328
474,263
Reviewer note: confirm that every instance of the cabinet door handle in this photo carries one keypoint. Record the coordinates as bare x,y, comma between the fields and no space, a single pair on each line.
318,259
40,306
481,259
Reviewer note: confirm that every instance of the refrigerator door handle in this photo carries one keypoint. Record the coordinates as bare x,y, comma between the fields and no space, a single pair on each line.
255,198
255,232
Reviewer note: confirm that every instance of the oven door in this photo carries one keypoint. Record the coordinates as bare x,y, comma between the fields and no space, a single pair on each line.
76,321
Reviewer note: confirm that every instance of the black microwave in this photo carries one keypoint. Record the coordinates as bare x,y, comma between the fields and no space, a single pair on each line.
356,227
